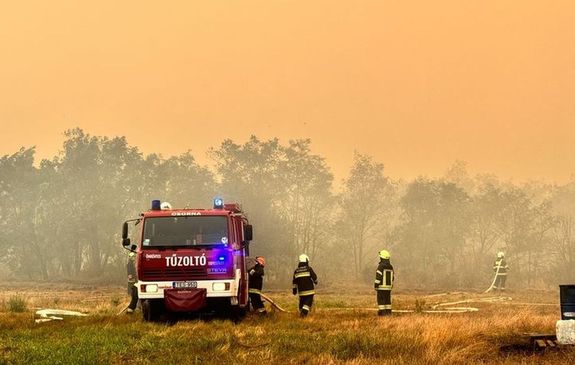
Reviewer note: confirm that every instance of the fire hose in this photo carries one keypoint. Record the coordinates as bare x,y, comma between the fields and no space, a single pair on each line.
494,279
435,309
268,299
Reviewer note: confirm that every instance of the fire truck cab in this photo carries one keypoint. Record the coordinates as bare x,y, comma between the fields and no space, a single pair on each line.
191,260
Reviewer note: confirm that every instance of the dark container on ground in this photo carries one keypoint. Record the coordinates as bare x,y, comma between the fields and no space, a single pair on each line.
567,298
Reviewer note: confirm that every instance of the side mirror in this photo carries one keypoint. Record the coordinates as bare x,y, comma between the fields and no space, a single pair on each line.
248,232
125,239
125,230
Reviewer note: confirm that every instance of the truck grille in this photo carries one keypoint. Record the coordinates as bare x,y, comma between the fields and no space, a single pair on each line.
174,273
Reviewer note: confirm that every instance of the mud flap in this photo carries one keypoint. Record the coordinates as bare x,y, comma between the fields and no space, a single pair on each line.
184,300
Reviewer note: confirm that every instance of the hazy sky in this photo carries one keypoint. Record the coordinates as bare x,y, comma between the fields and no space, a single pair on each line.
416,84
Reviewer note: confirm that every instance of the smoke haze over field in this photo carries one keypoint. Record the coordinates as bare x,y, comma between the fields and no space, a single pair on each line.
416,85
451,226
300,106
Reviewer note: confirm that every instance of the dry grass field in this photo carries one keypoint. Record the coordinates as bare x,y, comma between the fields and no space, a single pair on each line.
342,329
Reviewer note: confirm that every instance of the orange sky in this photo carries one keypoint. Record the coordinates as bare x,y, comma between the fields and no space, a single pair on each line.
416,84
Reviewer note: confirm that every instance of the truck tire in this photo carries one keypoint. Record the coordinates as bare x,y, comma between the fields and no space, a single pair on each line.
152,309
237,313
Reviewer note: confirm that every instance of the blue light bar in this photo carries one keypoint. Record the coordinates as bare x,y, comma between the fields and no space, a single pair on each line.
221,258
218,203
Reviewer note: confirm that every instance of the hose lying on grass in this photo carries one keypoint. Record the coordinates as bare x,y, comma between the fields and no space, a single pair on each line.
474,300
450,307
123,310
447,305
268,299
55,314
444,310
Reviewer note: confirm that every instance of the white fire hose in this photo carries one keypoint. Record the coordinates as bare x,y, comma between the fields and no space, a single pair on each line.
494,279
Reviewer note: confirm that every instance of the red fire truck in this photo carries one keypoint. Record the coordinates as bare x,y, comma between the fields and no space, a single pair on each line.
191,260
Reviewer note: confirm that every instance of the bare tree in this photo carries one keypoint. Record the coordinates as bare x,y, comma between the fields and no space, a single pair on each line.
365,200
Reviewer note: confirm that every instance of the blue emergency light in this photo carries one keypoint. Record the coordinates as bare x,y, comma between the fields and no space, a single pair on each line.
156,205
218,203
221,258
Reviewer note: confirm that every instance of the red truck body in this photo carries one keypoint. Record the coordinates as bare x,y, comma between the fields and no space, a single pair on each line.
191,260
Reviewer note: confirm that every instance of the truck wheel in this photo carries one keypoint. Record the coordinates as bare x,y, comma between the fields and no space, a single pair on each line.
237,313
151,310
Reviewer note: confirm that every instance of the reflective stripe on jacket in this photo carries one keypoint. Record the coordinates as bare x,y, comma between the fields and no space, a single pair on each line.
304,279
384,276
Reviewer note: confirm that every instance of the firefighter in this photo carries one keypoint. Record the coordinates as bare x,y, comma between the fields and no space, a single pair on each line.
256,278
304,279
383,283
500,267
132,290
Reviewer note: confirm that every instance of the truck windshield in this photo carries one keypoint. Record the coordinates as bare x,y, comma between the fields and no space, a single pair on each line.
185,231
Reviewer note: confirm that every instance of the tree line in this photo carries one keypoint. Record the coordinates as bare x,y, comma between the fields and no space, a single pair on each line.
60,219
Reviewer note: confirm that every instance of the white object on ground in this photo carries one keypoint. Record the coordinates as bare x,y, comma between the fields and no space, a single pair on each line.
475,300
565,332
55,314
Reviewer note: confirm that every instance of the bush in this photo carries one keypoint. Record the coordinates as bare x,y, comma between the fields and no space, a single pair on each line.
16,304
419,305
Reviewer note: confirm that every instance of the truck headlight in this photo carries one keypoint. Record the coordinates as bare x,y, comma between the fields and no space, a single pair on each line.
221,286
151,288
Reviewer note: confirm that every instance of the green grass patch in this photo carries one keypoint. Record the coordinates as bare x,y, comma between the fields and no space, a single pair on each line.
16,304
332,304
355,336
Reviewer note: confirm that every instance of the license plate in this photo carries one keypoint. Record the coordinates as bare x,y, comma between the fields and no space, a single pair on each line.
184,284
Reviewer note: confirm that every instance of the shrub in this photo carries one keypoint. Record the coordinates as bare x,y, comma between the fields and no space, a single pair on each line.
16,304
419,305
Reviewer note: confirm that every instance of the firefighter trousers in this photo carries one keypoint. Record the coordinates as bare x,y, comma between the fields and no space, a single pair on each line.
257,303
133,296
305,303
383,302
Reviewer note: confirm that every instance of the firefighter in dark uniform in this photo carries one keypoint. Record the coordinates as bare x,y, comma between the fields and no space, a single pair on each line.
256,279
500,267
132,290
304,281
383,283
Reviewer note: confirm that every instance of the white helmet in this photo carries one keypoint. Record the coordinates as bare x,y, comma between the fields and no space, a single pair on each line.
500,254
303,258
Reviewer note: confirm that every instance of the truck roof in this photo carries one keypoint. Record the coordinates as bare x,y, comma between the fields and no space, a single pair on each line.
224,209
185,212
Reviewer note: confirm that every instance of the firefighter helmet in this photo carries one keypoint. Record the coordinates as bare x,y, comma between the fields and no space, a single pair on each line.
500,254
260,260
303,258
384,254
132,254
